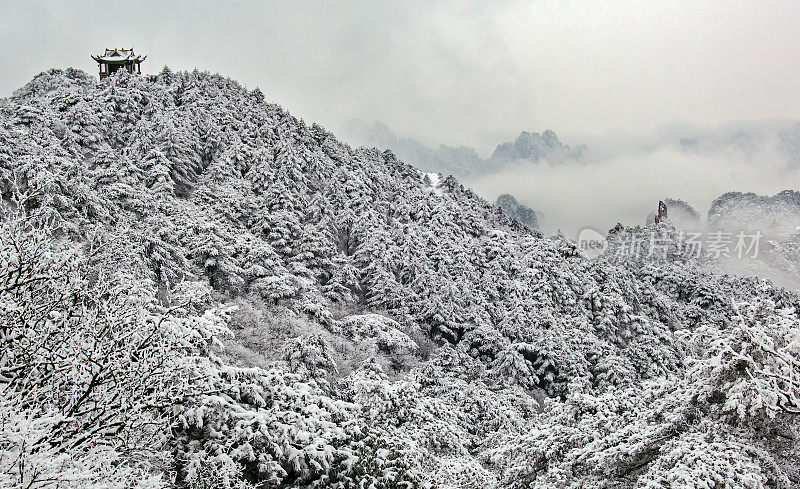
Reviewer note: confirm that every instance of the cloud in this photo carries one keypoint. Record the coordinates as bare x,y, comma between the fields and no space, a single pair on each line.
624,187
465,72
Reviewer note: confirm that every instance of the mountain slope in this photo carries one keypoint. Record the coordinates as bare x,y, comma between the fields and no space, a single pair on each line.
387,330
515,210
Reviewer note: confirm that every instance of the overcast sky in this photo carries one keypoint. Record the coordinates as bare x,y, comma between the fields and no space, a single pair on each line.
453,72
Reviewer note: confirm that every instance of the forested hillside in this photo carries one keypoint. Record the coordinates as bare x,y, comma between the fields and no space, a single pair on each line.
199,290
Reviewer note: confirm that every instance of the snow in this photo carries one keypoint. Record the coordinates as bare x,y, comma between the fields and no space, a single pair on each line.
386,334
434,180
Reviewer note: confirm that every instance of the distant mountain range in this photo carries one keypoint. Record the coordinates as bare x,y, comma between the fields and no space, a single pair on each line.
781,139
462,161
748,139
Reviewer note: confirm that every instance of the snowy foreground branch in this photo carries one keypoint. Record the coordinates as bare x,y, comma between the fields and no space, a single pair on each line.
91,366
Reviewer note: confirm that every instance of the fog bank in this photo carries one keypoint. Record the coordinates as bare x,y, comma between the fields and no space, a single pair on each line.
605,190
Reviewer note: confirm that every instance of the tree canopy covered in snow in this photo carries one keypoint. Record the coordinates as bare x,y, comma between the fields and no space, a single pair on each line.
199,290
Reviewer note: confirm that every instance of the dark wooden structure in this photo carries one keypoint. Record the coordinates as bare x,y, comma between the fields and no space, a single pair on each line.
114,59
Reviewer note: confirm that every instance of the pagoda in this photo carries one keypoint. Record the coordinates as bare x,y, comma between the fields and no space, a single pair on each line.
114,59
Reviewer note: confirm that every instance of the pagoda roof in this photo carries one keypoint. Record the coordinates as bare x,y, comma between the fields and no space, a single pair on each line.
118,56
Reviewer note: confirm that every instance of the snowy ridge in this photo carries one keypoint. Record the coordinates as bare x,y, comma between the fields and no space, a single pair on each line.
381,327
775,215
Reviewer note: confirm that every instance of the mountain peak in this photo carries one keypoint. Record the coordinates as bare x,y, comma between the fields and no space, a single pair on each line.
533,147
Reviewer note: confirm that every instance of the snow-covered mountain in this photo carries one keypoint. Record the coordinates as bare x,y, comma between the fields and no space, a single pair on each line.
513,209
776,219
533,147
681,215
198,289
770,220
774,215
462,161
